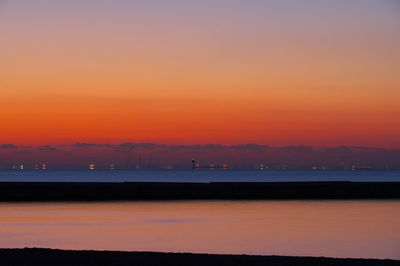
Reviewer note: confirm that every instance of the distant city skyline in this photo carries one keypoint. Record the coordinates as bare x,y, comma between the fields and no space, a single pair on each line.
142,156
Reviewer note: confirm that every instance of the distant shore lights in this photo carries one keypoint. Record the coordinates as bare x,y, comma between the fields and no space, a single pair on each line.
41,166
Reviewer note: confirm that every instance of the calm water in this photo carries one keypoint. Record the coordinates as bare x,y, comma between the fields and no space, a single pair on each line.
198,176
367,229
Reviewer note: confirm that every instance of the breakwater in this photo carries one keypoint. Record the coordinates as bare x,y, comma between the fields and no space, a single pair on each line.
65,191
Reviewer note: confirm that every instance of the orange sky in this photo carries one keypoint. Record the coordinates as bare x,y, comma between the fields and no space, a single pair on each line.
230,72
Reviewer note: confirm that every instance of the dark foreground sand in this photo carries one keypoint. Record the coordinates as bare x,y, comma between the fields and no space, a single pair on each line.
44,257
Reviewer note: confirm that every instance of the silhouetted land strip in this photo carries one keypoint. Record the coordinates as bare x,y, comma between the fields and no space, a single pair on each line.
43,257
76,191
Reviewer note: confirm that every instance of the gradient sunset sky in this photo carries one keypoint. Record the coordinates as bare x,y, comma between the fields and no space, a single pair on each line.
281,72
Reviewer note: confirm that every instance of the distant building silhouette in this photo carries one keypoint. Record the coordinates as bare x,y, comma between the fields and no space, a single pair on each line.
356,167
128,157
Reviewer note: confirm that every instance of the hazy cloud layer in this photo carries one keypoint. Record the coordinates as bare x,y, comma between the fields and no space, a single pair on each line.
8,146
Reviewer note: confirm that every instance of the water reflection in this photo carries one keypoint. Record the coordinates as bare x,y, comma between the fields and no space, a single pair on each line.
316,228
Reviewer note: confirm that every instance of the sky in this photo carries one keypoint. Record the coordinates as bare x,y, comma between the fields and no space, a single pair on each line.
287,72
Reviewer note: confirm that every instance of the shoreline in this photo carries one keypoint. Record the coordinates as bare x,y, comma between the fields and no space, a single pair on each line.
44,256
98,191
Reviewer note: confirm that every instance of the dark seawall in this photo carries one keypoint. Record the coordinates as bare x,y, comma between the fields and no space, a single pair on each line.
76,191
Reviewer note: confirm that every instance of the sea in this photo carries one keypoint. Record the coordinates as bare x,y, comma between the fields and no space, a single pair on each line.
201,176
331,228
